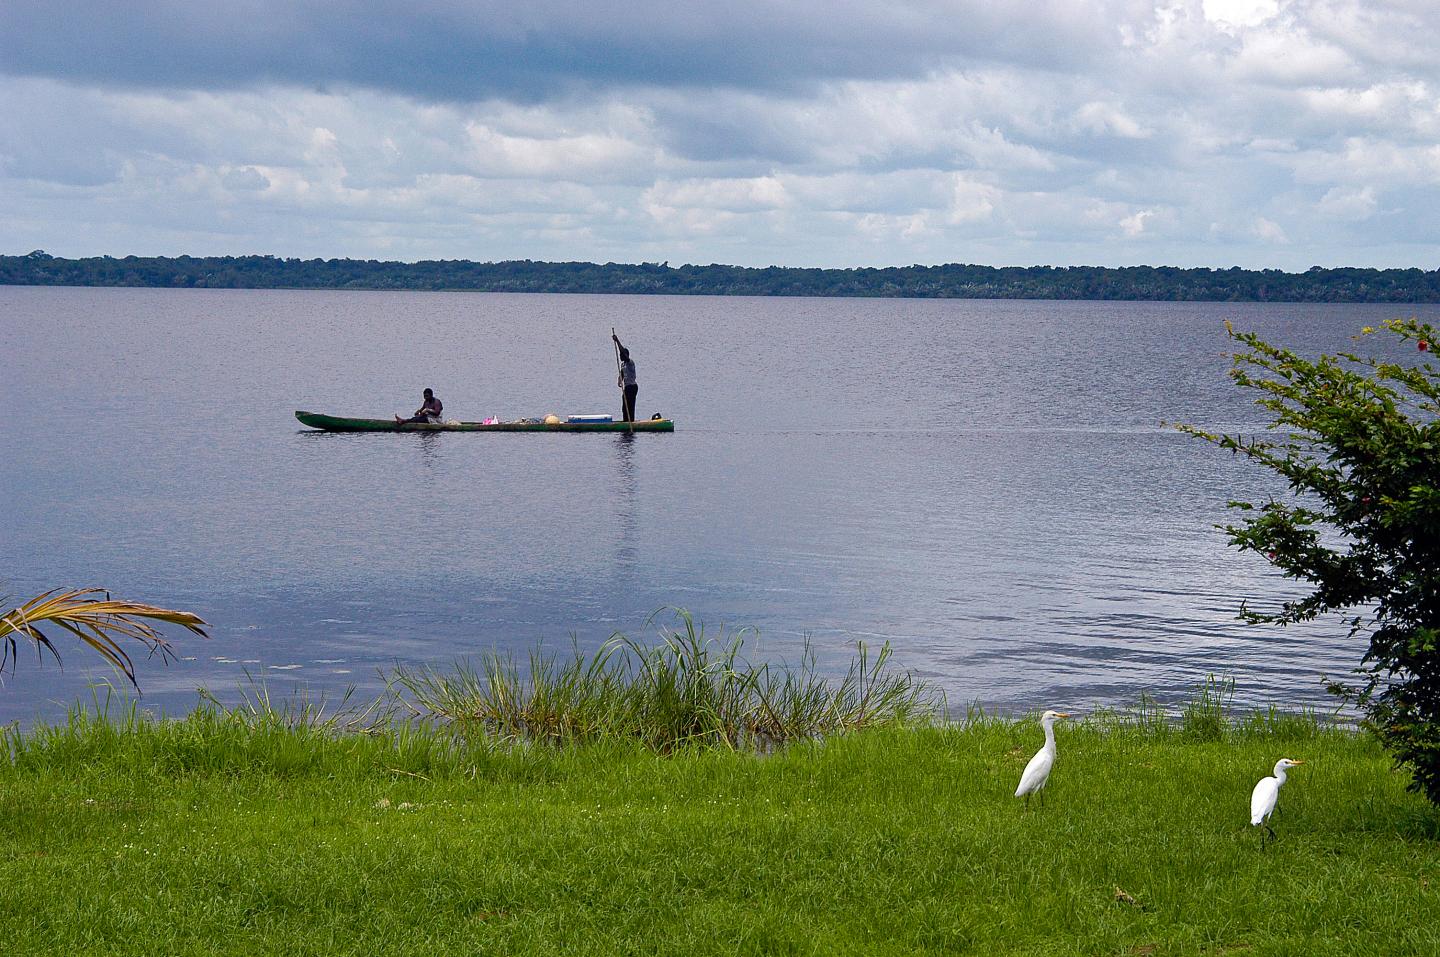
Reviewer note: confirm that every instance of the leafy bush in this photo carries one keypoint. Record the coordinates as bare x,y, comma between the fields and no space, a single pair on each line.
1358,441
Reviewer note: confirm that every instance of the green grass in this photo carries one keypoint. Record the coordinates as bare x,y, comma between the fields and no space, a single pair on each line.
264,832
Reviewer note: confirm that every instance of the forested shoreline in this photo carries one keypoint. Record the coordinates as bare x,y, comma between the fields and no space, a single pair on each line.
952,281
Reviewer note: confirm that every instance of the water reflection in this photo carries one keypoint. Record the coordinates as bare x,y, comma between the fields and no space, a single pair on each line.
431,444
627,551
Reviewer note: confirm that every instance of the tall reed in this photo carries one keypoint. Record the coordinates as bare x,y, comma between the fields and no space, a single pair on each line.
687,688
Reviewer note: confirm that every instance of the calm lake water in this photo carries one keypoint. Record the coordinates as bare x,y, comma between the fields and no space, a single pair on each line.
986,485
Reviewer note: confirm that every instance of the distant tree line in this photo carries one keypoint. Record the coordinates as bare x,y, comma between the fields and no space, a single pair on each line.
953,281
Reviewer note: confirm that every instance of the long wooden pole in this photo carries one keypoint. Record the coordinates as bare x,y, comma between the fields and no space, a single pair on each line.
619,372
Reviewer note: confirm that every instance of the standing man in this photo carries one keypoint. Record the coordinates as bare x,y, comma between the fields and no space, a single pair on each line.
626,381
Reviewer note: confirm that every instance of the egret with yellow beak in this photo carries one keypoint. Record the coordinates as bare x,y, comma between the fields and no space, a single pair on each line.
1037,772
1266,793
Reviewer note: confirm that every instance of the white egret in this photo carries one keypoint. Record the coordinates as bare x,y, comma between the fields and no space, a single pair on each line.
1266,793
1037,772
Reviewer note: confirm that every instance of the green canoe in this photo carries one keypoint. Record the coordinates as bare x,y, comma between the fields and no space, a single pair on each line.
335,423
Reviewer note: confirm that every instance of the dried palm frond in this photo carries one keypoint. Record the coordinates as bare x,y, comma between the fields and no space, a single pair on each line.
98,620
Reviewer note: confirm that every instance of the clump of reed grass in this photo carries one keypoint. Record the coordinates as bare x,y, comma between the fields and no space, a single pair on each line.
689,688
1208,715
257,708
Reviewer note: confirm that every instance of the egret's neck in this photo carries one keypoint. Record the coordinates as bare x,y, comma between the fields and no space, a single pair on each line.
1279,774
1049,734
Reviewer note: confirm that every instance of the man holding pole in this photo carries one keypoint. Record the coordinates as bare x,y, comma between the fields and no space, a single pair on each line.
626,379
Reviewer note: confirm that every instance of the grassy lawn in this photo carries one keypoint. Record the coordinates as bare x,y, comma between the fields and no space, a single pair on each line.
215,835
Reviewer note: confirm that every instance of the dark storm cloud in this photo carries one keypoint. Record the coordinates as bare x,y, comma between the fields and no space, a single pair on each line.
455,50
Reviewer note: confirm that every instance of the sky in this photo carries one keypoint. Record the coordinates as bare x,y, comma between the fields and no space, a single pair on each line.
1255,133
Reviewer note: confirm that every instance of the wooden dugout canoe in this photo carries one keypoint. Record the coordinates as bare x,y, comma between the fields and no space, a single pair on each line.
335,423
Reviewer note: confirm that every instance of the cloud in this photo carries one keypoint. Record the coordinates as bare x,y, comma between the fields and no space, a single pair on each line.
1240,13
1269,231
1288,57
245,179
1104,119
469,49
1348,203
732,195
1195,132
1384,35
1366,160
1407,109
1133,225
589,156
971,201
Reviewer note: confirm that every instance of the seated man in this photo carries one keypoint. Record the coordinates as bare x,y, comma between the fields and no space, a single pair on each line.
429,410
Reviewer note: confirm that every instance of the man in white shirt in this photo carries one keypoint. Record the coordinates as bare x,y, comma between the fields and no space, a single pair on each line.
626,380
